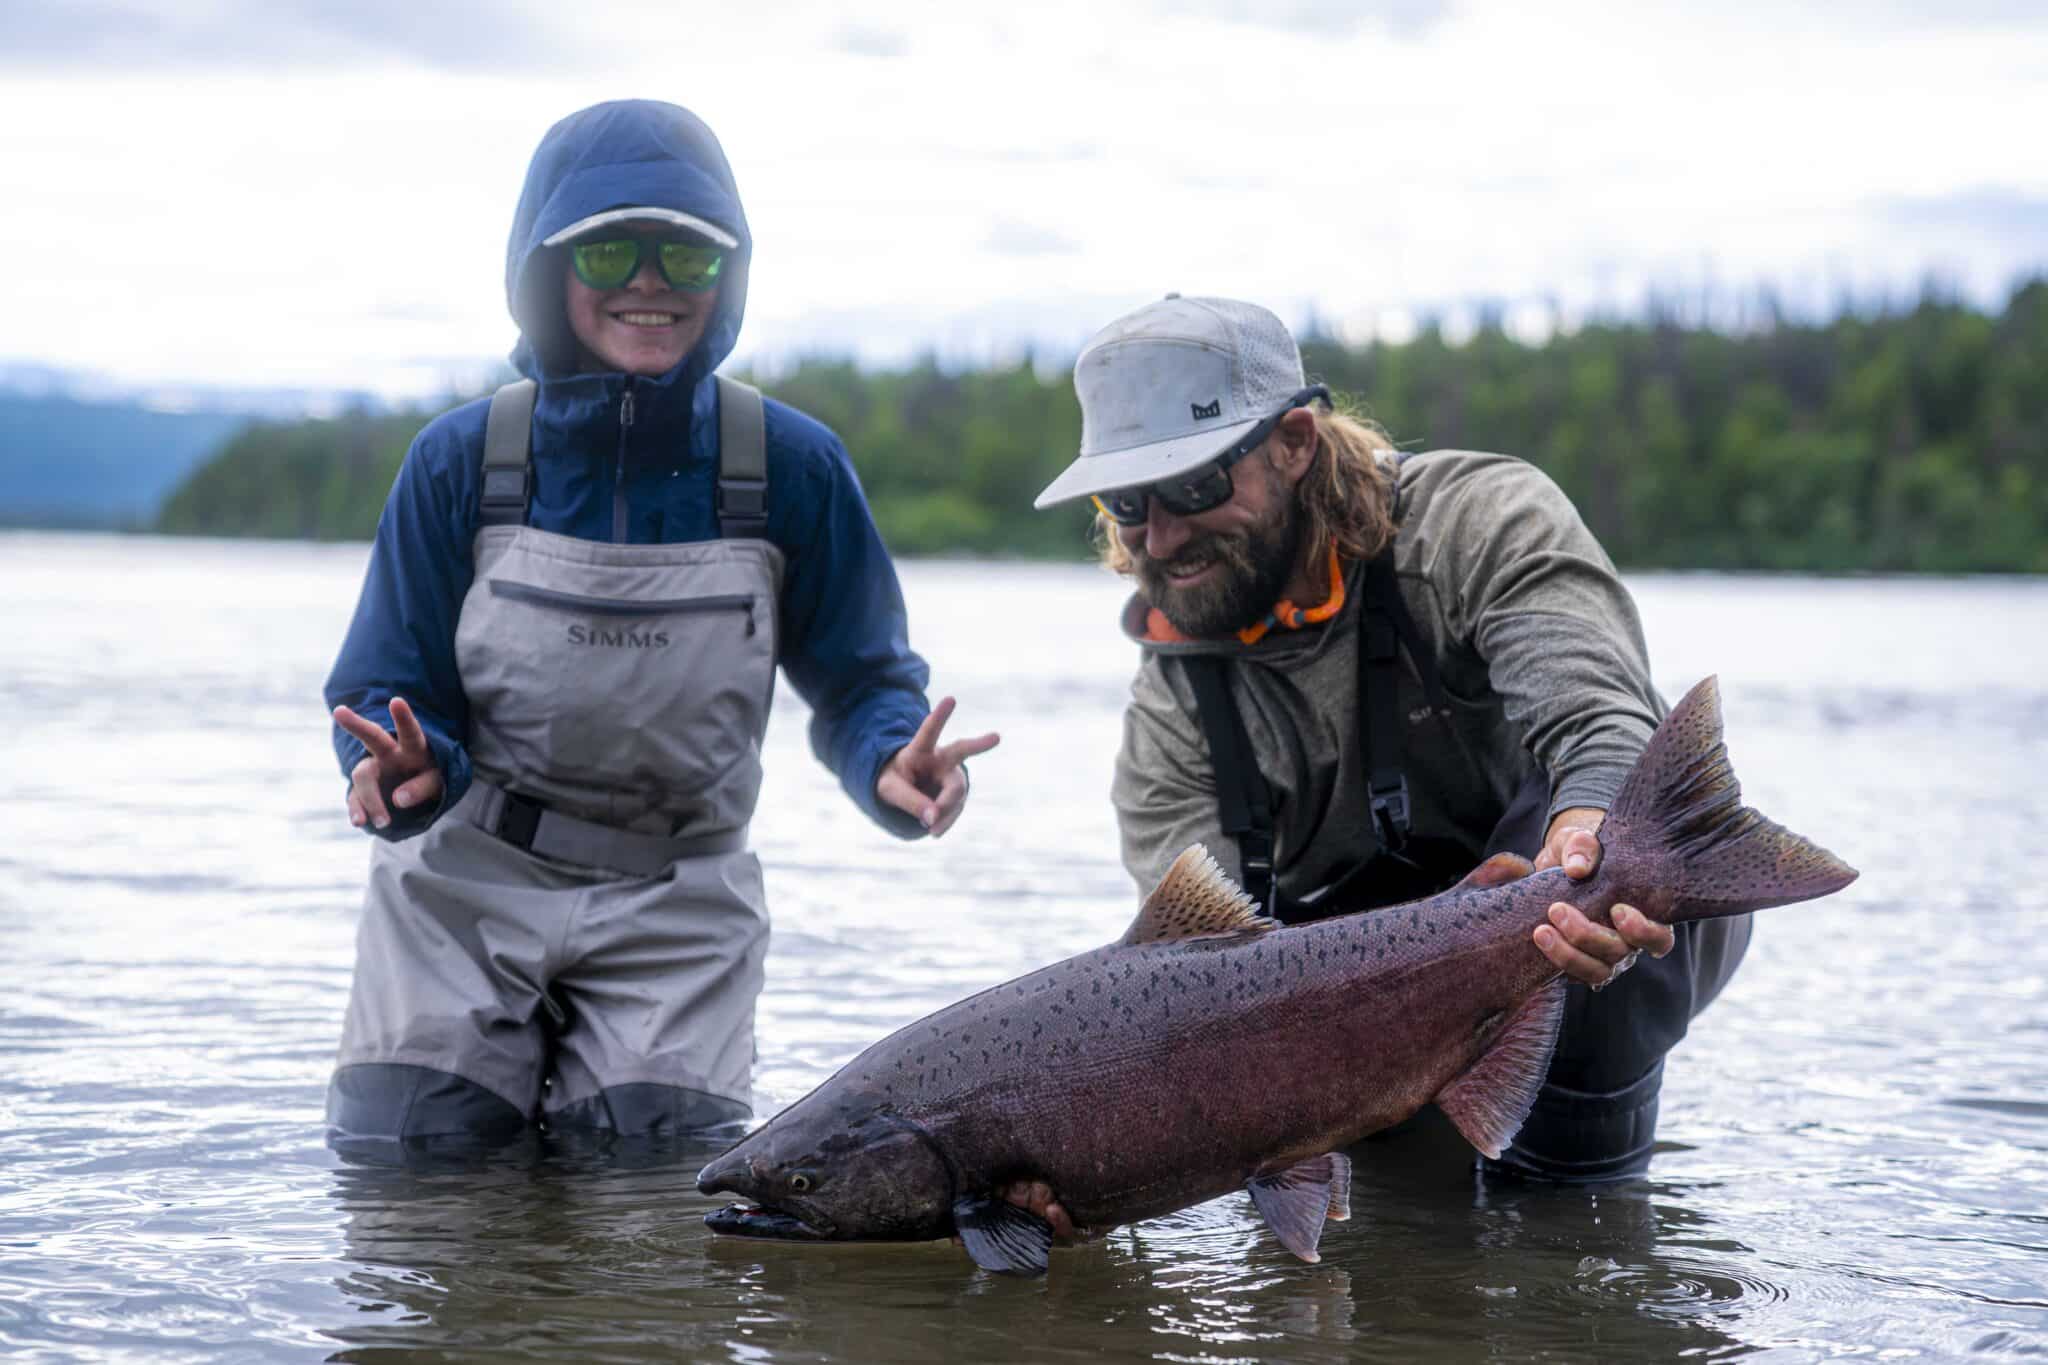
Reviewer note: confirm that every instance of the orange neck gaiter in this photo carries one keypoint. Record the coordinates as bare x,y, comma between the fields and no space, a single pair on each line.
1284,614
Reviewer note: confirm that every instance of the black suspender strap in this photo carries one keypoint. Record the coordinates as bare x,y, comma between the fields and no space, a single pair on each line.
1243,801
1383,593
742,461
1384,621
507,477
1379,691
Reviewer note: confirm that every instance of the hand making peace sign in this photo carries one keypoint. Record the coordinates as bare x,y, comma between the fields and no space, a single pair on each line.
924,778
399,768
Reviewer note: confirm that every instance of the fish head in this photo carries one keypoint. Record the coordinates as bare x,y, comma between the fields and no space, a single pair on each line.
837,1173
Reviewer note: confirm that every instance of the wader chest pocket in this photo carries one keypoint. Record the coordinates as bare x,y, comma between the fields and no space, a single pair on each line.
620,606
623,692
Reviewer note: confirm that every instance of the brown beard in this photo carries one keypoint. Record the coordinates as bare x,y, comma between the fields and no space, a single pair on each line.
1256,565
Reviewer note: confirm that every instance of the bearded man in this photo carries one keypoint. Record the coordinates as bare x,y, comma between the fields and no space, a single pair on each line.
1363,673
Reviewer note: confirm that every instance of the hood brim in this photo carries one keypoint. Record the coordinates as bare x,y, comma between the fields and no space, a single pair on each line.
689,222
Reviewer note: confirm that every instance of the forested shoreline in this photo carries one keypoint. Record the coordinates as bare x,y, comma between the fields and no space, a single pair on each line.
1915,441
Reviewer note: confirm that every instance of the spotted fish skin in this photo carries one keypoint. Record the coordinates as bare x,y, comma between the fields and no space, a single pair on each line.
1210,1048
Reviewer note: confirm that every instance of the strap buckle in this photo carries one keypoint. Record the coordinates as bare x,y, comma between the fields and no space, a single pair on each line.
519,821
1390,813
1255,854
505,490
742,498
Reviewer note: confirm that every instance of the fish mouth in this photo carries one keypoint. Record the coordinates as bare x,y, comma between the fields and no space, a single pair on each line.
757,1219
753,1220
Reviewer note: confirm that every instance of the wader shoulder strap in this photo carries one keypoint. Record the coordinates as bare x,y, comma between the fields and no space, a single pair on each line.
508,430
1244,804
742,461
1384,629
1244,801
742,458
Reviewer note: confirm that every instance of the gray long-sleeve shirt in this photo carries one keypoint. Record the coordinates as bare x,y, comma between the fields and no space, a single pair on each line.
1536,641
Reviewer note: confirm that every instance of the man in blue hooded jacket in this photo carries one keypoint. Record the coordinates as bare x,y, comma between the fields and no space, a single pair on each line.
551,699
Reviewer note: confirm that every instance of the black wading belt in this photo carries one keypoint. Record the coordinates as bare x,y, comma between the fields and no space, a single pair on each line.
1243,799
742,459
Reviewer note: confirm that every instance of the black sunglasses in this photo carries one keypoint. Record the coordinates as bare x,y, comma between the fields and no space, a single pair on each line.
1203,487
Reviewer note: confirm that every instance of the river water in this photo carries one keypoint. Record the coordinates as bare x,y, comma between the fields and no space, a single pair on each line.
1855,1136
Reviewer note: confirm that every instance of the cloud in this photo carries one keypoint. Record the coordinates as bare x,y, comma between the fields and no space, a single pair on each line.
860,40
254,35
1990,212
1028,239
1065,153
1949,14
1338,18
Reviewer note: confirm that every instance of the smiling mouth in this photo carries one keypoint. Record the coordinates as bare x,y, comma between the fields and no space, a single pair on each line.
1182,573
648,319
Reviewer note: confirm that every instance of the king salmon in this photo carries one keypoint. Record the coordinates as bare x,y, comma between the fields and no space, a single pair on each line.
1211,1049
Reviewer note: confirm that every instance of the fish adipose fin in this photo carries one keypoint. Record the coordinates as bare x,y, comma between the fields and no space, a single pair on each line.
1489,1101
1002,1237
1682,798
1195,900
1299,1200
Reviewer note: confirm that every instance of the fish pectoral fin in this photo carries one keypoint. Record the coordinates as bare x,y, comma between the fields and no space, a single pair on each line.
1002,1237
1489,1102
1499,869
1195,900
1299,1200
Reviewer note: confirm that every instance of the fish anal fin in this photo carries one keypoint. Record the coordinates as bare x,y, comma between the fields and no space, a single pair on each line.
1002,1237
1497,870
1490,1099
1195,900
1297,1202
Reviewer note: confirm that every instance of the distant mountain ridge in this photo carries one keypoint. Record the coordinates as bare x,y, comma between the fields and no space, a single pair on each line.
78,450
74,464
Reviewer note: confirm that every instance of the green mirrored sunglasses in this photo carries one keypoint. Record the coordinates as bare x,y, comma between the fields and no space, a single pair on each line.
688,266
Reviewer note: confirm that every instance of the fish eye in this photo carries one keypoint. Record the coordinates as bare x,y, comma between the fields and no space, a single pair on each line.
802,1182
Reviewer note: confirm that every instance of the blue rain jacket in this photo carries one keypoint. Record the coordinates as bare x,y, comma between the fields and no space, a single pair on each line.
845,645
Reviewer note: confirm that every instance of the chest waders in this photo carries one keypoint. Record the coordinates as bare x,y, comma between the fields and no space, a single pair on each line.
579,940
1596,1116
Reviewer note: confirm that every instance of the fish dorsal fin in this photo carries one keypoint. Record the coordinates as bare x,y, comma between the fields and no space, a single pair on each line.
1500,868
1489,1101
1299,1200
1195,900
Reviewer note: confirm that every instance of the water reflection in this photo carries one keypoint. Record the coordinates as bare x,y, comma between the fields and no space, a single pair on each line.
602,1253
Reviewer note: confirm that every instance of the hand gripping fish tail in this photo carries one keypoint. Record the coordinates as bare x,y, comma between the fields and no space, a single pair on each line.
1211,1049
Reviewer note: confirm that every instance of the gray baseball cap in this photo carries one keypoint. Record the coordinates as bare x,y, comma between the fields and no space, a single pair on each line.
1170,387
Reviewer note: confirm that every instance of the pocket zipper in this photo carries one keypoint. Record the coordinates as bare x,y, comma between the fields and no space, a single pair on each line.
615,606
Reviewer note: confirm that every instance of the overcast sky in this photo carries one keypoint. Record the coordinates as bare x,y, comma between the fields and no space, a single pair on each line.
317,193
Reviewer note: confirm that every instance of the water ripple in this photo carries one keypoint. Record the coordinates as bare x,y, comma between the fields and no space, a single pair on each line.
1852,1137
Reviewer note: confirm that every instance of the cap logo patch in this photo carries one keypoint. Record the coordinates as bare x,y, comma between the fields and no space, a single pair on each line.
1213,408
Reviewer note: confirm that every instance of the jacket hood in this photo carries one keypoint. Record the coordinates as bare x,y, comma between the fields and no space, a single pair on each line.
623,154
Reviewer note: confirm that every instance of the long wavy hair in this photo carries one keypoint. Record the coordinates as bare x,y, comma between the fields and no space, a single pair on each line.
1347,493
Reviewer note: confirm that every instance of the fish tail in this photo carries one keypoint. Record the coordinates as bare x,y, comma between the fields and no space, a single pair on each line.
1681,802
